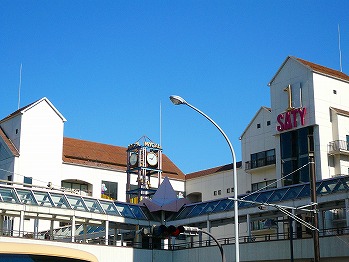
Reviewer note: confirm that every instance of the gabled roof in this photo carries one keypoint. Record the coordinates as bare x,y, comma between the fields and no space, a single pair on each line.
255,116
9,143
27,107
340,111
211,171
95,154
165,198
314,68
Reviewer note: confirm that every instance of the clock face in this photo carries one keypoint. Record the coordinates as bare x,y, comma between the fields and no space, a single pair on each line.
133,159
152,158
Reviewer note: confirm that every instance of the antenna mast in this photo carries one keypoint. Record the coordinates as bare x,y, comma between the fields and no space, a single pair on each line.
160,125
19,86
339,47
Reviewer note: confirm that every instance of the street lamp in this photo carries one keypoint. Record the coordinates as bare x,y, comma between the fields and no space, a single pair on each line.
177,100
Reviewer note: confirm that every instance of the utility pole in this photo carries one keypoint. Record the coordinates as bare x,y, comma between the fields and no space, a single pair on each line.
313,197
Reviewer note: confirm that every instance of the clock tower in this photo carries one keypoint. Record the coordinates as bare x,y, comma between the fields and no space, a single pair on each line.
144,163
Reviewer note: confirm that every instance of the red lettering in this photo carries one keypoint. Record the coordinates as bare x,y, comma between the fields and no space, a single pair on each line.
302,112
280,127
294,115
288,123
288,120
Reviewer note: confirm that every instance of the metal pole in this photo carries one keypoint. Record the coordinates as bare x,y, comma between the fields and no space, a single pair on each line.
290,221
179,100
218,244
315,214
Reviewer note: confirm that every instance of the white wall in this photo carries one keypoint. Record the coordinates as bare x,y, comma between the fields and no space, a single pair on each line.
41,144
208,184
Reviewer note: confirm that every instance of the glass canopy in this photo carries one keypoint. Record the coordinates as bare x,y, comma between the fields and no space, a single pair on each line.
324,187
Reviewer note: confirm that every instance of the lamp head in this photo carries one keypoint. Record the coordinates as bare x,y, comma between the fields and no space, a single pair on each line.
177,100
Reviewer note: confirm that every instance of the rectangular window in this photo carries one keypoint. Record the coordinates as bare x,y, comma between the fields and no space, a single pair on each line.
219,192
295,147
258,125
28,180
228,190
215,193
109,190
268,123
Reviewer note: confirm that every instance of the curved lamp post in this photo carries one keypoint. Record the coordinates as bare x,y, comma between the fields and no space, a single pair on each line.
177,100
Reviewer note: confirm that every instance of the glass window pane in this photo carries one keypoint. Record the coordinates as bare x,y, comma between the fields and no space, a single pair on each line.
8,195
59,200
124,210
109,207
26,197
136,210
76,203
43,199
93,205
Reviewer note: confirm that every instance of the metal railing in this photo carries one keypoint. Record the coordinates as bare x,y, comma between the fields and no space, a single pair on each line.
263,237
266,161
337,145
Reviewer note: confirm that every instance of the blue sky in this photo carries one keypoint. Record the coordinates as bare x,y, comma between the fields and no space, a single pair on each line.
108,65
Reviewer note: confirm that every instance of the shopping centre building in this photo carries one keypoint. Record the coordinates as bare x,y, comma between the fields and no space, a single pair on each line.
104,200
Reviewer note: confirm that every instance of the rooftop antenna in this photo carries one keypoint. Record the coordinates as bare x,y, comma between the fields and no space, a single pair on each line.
19,86
339,47
160,125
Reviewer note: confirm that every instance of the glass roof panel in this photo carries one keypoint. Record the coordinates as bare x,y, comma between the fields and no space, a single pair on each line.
264,196
109,207
8,195
77,203
197,210
278,194
93,205
223,204
137,212
59,200
293,192
148,215
305,192
124,210
210,207
185,212
326,187
341,185
43,199
26,197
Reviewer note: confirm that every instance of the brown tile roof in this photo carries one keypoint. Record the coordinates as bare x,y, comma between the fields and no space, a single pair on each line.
17,112
9,143
324,70
211,171
94,154
340,111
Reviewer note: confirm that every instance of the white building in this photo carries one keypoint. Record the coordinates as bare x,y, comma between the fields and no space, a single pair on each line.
33,150
308,116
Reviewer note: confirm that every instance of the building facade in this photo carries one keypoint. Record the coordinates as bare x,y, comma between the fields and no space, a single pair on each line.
308,117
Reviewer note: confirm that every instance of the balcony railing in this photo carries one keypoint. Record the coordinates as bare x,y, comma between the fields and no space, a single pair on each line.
269,160
338,146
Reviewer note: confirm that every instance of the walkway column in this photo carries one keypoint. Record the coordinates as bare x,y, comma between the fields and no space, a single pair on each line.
200,239
85,232
115,235
208,226
51,229
36,226
248,222
294,225
73,229
106,232
1,225
21,224
347,211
